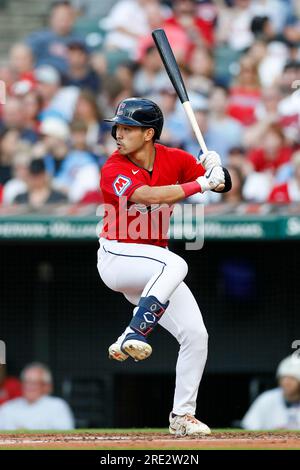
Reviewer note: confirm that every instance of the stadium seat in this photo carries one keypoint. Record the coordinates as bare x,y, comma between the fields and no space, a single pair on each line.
89,399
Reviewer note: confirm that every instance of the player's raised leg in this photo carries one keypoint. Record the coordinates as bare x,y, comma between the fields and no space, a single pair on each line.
153,273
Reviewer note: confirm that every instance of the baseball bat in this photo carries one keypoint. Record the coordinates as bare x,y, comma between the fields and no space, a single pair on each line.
172,69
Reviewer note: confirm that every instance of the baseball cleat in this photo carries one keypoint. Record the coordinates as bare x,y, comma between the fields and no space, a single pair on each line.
187,425
136,347
115,352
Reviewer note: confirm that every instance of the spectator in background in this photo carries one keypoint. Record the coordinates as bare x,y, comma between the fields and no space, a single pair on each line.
21,62
201,71
74,172
13,118
289,106
54,146
79,142
292,27
92,9
50,46
266,114
39,192
125,73
224,131
78,137
127,23
78,175
237,159
19,174
48,84
10,387
278,408
236,196
234,25
271,66
245,92
80,73
151,75
32,105
175,129
271,152
88,111
9,143
290,190
185,19
266,161
56,100
290,74
262,28
36,409
219,130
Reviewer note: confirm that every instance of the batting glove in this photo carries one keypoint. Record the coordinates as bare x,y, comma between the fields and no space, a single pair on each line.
210,159
211,179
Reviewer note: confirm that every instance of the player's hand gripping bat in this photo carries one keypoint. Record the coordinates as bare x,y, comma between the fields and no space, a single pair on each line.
171,66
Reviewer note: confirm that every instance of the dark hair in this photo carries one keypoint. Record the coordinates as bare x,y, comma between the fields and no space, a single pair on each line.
221,87
78,126
60,3
37,166
237,149
292,64
89,96
150,49
258,24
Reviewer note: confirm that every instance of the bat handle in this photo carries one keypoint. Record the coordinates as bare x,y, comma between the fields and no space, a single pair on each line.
191,116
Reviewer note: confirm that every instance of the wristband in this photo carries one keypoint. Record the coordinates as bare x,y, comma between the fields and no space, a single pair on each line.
191,188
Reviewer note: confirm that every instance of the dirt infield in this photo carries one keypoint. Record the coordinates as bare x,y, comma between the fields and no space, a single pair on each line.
150,440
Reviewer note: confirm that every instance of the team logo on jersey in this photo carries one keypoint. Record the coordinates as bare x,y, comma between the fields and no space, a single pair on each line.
120,184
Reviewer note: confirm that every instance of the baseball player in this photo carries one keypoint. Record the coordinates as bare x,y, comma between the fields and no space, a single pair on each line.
278,408
140,180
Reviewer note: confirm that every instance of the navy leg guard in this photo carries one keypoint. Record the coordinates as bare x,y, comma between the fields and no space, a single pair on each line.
149,312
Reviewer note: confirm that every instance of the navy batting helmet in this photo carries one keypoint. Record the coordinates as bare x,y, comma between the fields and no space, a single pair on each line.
139,112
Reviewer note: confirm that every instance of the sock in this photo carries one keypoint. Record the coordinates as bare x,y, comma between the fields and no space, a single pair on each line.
148,313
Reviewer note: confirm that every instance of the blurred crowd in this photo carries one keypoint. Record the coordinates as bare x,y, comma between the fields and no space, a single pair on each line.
240,60
28,403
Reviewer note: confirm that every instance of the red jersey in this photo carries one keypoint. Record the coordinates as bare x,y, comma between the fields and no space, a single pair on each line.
11,388
280,194
260,161
120,177
242,104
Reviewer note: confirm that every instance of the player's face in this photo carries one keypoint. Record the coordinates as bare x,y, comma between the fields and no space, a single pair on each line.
34,385
290,386
130,139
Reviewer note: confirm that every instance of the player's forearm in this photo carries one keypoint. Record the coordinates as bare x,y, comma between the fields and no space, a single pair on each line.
164,194
212,179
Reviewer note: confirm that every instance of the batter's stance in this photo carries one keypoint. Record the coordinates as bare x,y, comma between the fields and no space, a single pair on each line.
136,180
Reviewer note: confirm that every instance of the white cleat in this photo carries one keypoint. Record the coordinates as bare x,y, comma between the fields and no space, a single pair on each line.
138,350
115,352
187,425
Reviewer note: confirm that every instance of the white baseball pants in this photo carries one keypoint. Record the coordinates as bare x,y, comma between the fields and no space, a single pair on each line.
140,270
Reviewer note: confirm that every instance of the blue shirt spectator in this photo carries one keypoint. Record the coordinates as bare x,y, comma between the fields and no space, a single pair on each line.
49,46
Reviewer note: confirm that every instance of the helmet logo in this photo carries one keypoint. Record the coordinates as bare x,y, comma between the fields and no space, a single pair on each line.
120,109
